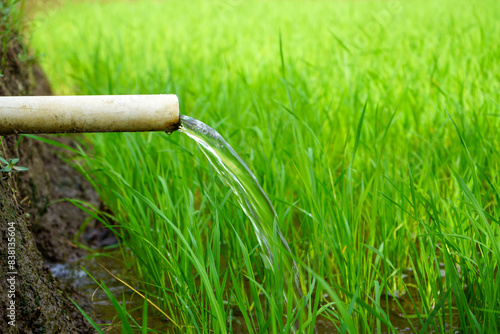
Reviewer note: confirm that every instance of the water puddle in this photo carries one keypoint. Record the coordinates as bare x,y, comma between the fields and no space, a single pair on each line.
73,273
103,310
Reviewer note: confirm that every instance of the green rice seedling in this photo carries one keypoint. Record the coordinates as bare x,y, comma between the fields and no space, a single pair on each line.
372,126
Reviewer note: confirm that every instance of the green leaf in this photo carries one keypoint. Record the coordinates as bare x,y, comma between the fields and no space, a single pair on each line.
122,313
89,319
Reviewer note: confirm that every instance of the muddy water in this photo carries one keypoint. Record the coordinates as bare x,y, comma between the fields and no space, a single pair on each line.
73,274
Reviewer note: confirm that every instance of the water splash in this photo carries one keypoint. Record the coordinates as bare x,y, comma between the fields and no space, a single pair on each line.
235,174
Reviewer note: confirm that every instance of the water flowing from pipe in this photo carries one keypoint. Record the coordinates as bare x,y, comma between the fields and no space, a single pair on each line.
253,200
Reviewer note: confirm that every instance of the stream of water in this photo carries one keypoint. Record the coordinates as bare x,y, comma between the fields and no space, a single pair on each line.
235,173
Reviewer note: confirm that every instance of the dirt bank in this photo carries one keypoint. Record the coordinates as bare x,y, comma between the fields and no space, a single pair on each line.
32,230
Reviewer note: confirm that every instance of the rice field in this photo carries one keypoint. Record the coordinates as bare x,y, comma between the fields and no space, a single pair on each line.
373,126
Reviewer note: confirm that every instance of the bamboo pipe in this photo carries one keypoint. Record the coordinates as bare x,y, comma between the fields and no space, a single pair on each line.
96,113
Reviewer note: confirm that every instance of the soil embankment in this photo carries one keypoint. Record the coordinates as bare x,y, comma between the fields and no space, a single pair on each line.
32,230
